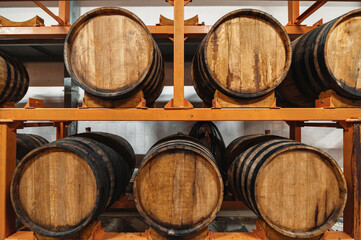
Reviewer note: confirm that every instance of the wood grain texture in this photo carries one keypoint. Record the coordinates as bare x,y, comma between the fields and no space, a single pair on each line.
246,54
325,58
178,188
57,189
60,188
343,51
297,190
111,54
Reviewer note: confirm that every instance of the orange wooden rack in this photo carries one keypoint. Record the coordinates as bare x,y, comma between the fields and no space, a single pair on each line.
179,109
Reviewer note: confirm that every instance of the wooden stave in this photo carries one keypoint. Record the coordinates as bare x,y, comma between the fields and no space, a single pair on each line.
17,82
240,175
25,143
320,77
98,156
202,79
146,79
182,143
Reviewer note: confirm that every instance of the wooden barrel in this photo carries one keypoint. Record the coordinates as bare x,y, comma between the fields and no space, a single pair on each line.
208,133
111,54
298,190
327,57
60,188
245,55
25,143
178,188
14,79
241,144
117,143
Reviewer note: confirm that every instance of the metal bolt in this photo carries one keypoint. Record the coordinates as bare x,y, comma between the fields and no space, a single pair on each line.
322,101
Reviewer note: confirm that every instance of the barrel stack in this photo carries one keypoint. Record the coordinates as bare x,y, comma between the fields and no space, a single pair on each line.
326,58
178,188
245,55
110,53
14,80
60,188
297,190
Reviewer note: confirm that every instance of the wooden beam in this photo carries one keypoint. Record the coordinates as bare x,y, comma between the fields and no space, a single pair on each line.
293,11
50,13
178,53
314,7
160,114
64,12
7,167
352,171
295,131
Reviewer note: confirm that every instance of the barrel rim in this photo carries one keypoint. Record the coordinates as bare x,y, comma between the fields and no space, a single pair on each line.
335,25
336,214
72,33
20,211
173,231
281,30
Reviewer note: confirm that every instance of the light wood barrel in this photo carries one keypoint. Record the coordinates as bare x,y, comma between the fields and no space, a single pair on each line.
25,143
298,190
14,79
245,55
60,188
110,53
327,57
178,188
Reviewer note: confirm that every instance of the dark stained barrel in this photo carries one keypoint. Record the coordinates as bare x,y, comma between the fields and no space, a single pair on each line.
327,57
14,79
178,188
25,143
208,133
60,188
241,144
298,190
111,54
117,143
245,55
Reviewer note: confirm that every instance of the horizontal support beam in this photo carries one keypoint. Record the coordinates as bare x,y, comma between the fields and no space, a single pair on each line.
62,31
160,114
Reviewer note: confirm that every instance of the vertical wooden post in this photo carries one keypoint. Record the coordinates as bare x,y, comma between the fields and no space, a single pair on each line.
178,53
7,167
61,129
178,101
352,170
295,131
64,11
293,11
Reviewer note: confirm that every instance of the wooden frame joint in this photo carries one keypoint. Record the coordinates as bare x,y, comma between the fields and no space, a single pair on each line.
34,103
171,106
